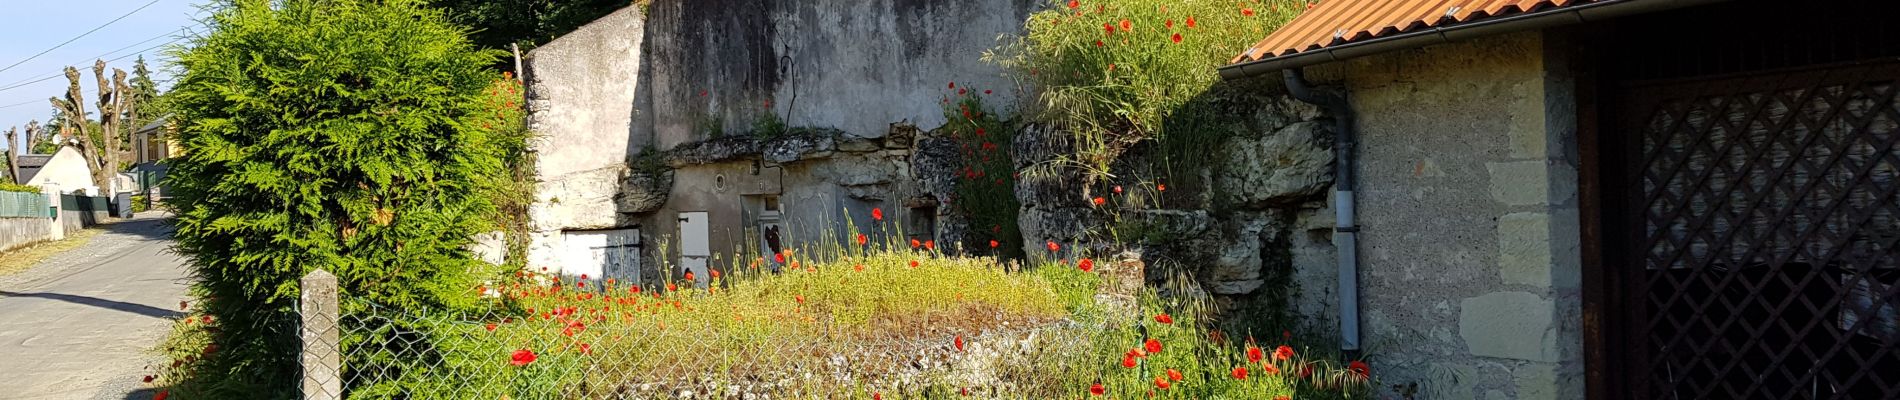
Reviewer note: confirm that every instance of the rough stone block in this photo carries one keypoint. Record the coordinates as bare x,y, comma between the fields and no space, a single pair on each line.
1524,249
1288,167
1515,325
1536,381
1520,183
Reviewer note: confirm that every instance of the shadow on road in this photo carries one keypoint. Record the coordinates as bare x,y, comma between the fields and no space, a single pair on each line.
142,394
156,226
139,309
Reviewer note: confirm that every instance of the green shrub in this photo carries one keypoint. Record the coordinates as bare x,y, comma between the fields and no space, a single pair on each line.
10,187
1116,73
341,135
986,182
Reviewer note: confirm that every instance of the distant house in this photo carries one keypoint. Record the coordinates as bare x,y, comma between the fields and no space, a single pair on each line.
64,171
152,145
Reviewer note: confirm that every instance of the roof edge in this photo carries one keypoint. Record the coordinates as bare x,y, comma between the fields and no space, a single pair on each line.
1536,20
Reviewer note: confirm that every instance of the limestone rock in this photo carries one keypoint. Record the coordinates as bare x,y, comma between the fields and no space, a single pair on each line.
644,191
854,144
715,150
799,146
1284,168
900,136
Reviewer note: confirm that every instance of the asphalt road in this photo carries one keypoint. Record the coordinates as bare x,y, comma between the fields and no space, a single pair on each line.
83,324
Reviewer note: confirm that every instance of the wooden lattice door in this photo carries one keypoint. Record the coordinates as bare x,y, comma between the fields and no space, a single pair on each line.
1754,235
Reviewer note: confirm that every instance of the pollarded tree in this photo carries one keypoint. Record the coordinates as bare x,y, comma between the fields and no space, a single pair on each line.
327,134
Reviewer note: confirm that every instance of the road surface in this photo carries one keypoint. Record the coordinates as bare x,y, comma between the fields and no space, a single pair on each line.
83,324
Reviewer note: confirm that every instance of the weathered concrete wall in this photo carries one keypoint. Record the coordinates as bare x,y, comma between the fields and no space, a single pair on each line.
683,72
853,65
19,232
1470,264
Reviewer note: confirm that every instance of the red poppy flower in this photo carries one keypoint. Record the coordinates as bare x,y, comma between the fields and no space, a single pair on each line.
930,244
963,391
859,267
799,297
1164,318
689,275
953,84
1254,354
914,243
583,276
862,240
1174,375
1152,346
672,288
994,244
1098,43
1110,28
715,274
1161,382
877,396
1359,367
149,378
1161,187
522,357
1086,265
961,92
877,214
1169,24
1054,247
162,394
1128,361
959,342
1246,11
586,349
985,91
913,263
1270,369
634,290
1074,3
1111,67
1240,373
1099,201
1283,397
1177,38
1128,26
1097,389
491,327
1282,353
1190,22
580,284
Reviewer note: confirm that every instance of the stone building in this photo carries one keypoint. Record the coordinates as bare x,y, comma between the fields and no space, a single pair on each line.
687,135
1611,199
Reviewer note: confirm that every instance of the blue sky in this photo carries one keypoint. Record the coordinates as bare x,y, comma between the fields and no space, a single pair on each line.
28,27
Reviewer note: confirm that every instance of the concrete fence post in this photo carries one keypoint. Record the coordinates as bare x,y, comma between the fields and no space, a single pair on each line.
322,351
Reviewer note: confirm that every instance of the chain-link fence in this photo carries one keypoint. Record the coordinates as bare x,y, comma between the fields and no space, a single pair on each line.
592,351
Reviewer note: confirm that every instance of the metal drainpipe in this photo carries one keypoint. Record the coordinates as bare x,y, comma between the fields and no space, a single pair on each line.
1345,217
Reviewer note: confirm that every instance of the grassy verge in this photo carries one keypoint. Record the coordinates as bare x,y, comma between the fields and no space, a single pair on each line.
21,259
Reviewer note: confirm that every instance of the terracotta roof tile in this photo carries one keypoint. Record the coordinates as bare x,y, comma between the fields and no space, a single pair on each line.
1337,22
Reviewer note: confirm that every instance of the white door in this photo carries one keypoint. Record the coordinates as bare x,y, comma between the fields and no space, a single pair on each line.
695,246
603,254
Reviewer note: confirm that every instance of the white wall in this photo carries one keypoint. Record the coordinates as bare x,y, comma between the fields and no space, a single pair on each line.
65,173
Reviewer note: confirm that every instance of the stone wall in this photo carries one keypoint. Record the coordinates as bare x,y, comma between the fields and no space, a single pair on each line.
1468,211
1248,219
853,65
20,232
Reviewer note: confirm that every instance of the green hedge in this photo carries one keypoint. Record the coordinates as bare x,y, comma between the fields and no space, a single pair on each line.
337,134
